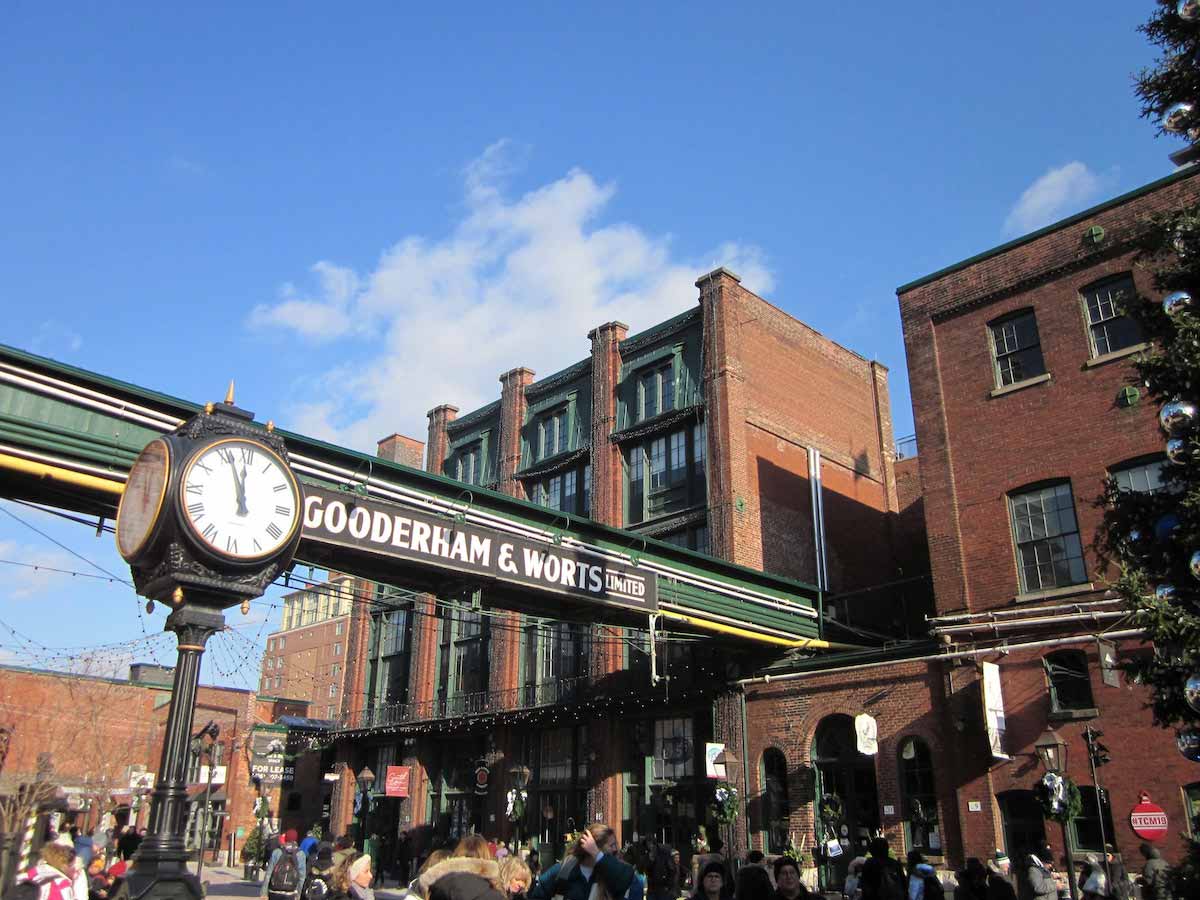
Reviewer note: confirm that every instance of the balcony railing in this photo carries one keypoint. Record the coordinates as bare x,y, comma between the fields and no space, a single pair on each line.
906,447
468,705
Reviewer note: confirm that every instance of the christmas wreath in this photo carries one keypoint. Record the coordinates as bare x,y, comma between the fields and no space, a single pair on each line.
1059,797
832,810
724,808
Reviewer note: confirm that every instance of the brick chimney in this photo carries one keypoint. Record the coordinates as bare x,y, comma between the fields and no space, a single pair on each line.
404,450
606,457
512,417
439,442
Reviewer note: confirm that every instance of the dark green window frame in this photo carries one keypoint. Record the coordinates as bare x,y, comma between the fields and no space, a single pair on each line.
664,474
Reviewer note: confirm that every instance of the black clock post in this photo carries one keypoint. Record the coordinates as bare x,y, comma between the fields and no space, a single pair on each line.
200,543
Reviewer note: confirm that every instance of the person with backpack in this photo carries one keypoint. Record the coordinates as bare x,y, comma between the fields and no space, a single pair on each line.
320,873
662,871
882,877
286,872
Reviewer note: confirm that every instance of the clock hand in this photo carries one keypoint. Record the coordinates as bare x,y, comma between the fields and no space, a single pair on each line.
242,509
240,489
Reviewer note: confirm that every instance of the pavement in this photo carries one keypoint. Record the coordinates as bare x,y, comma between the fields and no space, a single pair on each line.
223,881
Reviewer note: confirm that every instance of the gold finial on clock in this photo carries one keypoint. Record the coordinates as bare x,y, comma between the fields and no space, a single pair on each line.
229,394
208,408
177,596
270,426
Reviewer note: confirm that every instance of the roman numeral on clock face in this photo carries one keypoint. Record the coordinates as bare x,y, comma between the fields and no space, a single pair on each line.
196,509
210,531
283,510
231,544
247,455
280,487
196,489
274,531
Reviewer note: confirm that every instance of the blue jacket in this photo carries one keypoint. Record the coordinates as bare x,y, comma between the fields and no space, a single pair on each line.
617,877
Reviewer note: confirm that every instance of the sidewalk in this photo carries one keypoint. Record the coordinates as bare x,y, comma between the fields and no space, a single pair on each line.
224,881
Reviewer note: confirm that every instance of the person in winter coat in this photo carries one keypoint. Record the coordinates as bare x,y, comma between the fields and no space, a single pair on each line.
753,883
1119,889
788,885
882,877
288,848
999,878
1156,876
712,883
469,874
1093,882
515,877
1038,882
972,882
55,873
592,862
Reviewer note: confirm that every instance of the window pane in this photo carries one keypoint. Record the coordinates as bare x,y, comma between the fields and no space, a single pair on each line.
587,490
1017,350
1049,551
554,495
667,378
636,495
678,457
1070,682
1146,478
1111,329
568,494
658,463
649,395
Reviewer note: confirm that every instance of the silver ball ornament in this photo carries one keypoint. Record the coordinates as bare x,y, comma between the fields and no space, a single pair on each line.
1177,451
1191,691
1188,741
1177,302
1164,593
1166,526
1194,564
1176,416
1174,118
1188,10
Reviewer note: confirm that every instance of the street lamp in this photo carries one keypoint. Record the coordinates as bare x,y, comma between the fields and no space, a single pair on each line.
520,779
1052,751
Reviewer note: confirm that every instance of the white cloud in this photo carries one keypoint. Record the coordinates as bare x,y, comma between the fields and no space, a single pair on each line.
34,573
1055,195
517,281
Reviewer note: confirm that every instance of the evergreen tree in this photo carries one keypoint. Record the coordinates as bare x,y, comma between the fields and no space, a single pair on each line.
1155,538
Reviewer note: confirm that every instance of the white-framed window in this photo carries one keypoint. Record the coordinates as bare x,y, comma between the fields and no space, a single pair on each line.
333,690
271,645
1016,348
1046,532
469,465
281,645
337,649
1145,477
1104,303
335,670
337,629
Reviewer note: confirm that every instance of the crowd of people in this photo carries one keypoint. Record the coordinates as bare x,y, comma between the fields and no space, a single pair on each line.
76,866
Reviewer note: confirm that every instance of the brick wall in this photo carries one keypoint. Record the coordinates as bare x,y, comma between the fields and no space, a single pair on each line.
975,447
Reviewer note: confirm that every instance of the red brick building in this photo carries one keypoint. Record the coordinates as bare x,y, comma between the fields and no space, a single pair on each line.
1025,403
731,429
99,740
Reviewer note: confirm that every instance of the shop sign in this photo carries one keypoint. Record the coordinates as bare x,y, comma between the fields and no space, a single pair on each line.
141,781
396,532
267,759
712,768
396,782
1148,820
481,779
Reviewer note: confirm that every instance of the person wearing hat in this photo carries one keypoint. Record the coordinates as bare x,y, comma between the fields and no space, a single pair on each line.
972,882
850,889
788,885
999,878
1119,887
712,883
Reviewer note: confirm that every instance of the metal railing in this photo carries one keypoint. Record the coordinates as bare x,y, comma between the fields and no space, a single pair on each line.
906,447
467,705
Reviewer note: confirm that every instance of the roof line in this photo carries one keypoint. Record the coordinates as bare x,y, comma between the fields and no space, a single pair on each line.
1178,175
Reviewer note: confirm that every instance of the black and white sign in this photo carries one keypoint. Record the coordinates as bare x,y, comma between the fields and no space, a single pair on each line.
331,517
268,761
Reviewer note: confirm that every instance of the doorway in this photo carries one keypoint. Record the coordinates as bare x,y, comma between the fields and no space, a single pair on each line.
1023,824
846,799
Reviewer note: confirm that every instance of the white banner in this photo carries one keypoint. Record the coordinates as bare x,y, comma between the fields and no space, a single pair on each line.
867,734
712,768
993,710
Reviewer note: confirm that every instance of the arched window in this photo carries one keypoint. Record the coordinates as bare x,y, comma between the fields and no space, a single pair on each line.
775,800
919,808
1069,682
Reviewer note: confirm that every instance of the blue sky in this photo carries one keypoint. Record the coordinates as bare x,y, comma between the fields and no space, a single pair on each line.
362,211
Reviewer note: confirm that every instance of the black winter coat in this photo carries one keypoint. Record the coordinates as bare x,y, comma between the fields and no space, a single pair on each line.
462,878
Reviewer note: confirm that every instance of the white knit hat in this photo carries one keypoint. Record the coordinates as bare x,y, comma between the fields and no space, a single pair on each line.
360,865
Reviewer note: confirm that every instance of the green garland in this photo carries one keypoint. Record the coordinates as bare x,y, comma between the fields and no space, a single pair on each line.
724,808
1073,800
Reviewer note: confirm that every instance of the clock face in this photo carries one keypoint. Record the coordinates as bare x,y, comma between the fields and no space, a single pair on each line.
240,499
142,499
